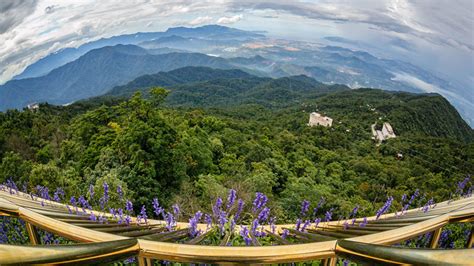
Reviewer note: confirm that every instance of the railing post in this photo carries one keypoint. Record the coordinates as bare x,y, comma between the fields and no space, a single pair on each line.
470,239
329,261
141,261
32,234
435,238
149,261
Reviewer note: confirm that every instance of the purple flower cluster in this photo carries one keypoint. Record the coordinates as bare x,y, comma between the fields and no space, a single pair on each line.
320,204
231,198
240,207
263,215
244,232
427,206
176,211
328,215
193,222
316,222
384,208
462,185
412,199
156,208
208,220
129,206
364,222
142,215
59,194
170,221
120,192
304,207
305,225
259,202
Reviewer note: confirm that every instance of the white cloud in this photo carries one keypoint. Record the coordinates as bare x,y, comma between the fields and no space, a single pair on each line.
200,20
229,20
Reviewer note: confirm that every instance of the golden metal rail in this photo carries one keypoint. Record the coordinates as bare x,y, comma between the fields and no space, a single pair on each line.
389,229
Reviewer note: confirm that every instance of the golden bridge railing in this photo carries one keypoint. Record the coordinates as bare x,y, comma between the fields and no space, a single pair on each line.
323,243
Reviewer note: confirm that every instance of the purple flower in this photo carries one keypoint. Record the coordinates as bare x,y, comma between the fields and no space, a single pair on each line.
316,222
208,220
48,238
384,208
92,217
12,186
120,215
216,209
263,215
240,207
428,205
129,206
404,197
176,210
113,212
320,203
298,224
120,192
222,220
304,207
58,194
156,208
259,202
346,225
170,221
106,191
285,233
412,198
244,232
232,225
231,198
354,211
103,219
462,185
255,225
364,222
143,214
328,215
193,222
128,220
305,225
272,224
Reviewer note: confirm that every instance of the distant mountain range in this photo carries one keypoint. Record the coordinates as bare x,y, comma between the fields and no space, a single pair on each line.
95,73
94,68
57,59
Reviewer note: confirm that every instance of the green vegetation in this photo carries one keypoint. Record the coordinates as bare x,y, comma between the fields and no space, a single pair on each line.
191,156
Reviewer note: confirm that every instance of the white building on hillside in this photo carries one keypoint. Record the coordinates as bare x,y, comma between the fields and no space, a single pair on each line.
316,119
384,134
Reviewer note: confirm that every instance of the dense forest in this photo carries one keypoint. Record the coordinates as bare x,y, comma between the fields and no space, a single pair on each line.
163,144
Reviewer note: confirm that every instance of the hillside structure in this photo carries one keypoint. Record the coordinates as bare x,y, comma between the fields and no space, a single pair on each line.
384,134
316,119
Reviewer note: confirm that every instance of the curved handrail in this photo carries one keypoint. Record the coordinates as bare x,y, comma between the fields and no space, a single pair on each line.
265,254
77,253
363,252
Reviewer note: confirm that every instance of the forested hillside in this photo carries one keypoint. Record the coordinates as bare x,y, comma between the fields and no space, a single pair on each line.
426,114
254,138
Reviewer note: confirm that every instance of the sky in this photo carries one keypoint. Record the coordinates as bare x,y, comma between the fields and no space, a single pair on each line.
435,35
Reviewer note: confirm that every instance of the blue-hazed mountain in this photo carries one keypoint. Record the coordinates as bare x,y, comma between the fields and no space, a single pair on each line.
95,73
209,32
